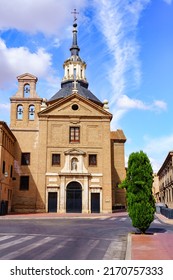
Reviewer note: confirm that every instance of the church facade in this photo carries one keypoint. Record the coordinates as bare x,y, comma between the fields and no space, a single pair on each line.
66,157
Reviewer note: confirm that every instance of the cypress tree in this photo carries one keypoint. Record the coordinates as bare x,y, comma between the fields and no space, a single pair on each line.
138,184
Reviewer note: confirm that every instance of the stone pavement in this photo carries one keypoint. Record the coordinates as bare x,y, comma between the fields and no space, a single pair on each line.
157,246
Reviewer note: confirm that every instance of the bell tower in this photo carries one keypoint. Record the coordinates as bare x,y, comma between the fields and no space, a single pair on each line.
25,104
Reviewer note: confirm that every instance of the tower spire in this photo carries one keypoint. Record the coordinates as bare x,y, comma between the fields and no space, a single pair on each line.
74,48
74,66
74,80
75,13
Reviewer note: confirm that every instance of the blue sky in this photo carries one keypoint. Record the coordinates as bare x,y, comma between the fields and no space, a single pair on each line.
128,48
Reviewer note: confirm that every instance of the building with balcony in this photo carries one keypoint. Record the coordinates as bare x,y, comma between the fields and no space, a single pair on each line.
155,187
165,175
7,144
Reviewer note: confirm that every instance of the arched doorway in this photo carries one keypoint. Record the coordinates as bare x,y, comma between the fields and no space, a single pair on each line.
74,198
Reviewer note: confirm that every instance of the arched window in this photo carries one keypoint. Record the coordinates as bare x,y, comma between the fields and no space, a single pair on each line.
74,73
31,115
26,90
20,112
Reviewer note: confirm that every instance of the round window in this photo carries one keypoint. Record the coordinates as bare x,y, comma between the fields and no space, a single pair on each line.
75,107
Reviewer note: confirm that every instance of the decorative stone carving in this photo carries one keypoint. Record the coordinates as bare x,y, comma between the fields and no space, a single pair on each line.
74,162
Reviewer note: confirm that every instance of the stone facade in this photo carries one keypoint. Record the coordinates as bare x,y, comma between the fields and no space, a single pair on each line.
165,175
7,142
48,134
118,166
155,187
66,157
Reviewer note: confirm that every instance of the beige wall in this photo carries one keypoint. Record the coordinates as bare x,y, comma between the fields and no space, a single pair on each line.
155,187
7,141
49,133
94,138
118,167
165,175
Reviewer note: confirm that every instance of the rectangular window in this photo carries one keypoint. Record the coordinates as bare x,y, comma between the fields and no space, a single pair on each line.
25,159
24,183
3,167
55,159
92,160
11,171
74,134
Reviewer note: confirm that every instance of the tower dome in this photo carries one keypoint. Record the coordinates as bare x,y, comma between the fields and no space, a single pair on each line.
74,74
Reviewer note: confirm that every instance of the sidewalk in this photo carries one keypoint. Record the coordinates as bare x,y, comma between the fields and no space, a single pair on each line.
25,216
157,246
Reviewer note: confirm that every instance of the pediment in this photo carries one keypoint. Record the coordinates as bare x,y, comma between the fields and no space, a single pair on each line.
27,76
74,152
65,107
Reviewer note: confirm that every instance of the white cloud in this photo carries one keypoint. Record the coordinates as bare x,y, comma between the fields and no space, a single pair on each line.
50,17
124,104
5,106
118,22
158,148
46,16
4,110
168,1
15,61
160,105
162,144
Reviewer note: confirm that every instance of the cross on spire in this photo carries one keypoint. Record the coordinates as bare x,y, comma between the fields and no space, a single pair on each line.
75,13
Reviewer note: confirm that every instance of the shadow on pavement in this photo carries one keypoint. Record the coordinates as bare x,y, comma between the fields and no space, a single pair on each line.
156,230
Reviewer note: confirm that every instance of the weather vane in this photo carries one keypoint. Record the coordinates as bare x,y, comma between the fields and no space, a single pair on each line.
75,13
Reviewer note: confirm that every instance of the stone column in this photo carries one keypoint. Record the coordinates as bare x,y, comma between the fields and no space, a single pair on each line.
85,196
101,201
62,196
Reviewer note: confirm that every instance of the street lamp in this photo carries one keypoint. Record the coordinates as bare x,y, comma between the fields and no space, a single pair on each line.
6,174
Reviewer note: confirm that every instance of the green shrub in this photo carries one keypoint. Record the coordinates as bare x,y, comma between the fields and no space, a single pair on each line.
138,184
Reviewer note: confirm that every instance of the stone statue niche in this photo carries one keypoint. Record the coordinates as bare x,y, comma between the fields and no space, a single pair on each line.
74,163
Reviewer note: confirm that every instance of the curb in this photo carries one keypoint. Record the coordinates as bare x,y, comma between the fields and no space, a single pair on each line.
40,216
164,219
129,247
52,218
